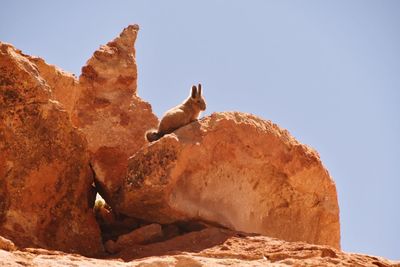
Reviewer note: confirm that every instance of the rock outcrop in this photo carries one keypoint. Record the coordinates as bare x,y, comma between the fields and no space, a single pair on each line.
208,247
45,178
108,110
45,173
202,196
238,171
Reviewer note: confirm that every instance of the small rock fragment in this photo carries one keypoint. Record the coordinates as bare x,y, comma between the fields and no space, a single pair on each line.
142,235
6,244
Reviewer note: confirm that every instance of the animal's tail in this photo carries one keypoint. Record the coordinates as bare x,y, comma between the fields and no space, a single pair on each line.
153,135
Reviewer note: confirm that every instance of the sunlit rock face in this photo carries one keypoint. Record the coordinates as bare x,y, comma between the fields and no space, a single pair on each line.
45,178
236,170
196,195
108,109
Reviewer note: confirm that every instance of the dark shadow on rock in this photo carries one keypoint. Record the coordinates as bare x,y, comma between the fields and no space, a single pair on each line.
191,242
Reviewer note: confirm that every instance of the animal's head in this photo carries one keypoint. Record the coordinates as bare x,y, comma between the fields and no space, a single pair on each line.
197,99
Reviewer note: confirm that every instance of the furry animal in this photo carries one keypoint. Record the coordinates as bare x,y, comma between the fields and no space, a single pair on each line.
180,115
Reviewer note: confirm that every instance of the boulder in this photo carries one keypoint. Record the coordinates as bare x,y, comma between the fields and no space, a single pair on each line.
236,170
45,178
108,110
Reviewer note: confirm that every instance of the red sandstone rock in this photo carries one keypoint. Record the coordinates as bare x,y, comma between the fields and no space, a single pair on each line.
236,170
144,234
108,110
104,104
64,86
6,244
209,247
233,169
45,177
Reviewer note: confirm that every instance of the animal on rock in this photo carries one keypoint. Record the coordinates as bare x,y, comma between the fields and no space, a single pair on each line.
180,115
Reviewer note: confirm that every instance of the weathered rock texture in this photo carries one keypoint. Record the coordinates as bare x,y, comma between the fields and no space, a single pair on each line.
104,104
236,170
231,169
108,110
64,86
113,118
209,247
7,244
45,177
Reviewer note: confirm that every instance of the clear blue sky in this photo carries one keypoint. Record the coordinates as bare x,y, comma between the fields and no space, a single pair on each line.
328,71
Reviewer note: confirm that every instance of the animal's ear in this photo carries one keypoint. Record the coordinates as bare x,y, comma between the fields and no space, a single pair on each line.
194,91
199,87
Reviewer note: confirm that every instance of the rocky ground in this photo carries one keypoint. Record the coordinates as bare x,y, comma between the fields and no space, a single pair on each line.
208,247
227,189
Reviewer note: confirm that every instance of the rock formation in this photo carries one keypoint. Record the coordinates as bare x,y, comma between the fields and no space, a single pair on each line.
172,201
45,178
108,110
238,171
